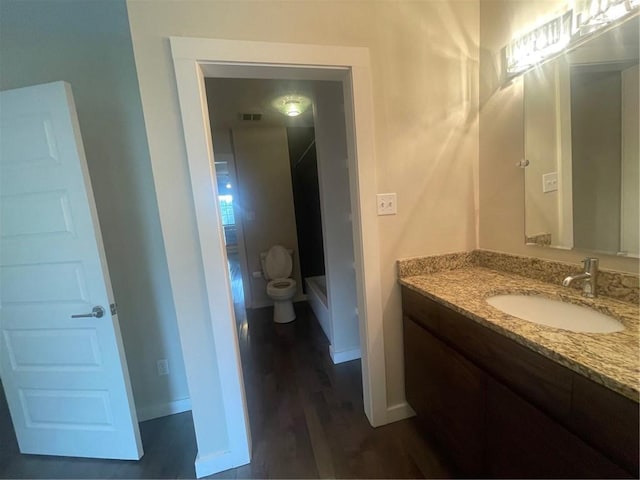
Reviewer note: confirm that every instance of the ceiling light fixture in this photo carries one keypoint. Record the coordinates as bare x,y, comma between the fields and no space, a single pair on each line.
291,105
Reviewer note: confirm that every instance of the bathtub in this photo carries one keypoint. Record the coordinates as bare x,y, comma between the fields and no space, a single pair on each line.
317,298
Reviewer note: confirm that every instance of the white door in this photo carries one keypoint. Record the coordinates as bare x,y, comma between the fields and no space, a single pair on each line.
65,378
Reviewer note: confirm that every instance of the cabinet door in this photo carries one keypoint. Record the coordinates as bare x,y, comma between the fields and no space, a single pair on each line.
522,442
448,394
608,421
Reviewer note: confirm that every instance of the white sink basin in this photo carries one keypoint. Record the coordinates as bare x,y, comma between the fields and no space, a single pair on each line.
555,313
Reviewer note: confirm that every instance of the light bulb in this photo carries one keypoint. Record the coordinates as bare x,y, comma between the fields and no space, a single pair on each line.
291,105
292,108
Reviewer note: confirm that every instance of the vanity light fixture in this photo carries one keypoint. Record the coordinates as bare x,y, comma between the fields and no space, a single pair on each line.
551,38
291,105
539,44
592,15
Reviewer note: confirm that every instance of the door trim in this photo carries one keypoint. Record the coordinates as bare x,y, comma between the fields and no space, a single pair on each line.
196,58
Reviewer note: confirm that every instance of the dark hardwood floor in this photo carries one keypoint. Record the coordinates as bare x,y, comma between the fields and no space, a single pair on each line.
169,445
306,416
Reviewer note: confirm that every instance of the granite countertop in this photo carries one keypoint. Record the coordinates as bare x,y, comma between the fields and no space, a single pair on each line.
611,359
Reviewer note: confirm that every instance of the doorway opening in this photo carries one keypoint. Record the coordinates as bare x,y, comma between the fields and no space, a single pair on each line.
283,180
194,60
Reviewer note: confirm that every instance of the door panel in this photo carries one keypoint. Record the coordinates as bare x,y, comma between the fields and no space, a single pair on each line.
49,350
65,378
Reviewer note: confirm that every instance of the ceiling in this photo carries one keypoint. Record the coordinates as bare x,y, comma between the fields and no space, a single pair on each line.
228,98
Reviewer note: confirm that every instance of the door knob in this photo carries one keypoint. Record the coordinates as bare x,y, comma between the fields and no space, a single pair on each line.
96,312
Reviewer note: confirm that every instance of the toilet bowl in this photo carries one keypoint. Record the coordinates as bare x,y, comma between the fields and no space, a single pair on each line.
277,266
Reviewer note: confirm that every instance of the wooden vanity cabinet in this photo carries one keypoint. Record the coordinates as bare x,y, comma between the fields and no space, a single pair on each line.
501,410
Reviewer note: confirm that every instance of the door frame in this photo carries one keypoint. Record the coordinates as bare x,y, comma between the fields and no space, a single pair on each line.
197,58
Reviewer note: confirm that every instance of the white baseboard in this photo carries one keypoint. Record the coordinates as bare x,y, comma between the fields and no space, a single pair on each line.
219,462
345,355
398,412
163,409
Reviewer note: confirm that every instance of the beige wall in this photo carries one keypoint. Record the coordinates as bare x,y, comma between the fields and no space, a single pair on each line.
424,59
265,197
501,183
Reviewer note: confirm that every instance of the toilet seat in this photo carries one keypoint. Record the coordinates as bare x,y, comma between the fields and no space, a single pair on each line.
281,287
282,282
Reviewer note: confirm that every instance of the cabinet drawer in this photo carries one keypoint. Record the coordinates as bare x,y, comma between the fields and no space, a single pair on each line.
422,310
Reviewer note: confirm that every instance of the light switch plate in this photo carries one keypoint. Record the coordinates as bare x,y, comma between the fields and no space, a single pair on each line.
162,366
549,182
387,203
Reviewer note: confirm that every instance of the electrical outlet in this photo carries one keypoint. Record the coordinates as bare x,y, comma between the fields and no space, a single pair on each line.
163,366
549,182
387,203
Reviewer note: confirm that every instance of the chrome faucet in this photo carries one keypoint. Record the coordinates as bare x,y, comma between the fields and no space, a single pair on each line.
589,277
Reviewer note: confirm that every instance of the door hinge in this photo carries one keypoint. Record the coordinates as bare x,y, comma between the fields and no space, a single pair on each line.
113,308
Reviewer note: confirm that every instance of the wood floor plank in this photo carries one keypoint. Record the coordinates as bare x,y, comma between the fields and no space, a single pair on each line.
319,444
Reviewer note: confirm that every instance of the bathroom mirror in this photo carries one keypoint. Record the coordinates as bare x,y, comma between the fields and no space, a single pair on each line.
581,142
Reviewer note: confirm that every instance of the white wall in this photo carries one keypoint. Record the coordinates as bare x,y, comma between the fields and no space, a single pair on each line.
265,197
88,44
424,58
337,233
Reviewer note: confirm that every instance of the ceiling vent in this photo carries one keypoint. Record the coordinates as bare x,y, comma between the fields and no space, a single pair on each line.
250,117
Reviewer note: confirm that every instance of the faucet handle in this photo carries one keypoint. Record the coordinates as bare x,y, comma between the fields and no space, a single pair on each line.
590,263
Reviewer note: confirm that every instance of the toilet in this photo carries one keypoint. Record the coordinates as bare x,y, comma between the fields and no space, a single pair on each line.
277,267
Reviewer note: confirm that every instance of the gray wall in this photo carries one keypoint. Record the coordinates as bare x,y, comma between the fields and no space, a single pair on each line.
88,44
